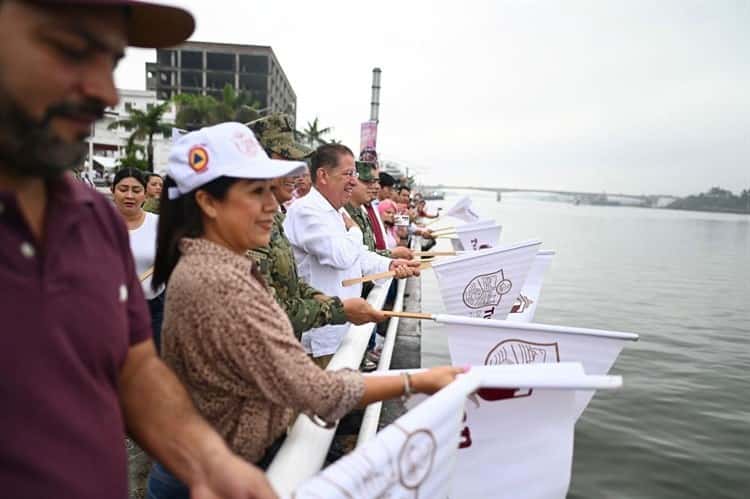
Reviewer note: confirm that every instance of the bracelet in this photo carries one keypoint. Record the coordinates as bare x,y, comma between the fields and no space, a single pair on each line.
407,387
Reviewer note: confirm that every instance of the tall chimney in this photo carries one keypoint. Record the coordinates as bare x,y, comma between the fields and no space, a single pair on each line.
375,100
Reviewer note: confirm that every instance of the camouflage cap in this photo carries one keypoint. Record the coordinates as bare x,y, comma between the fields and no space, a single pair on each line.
365,171
276,134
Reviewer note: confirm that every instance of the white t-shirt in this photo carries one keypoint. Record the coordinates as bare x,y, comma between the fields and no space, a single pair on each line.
143,246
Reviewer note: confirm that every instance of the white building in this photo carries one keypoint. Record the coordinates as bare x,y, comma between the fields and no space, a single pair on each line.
106,146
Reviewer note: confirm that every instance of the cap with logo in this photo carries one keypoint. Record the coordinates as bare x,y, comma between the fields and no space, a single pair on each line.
276,134
225,150
365,171
149,25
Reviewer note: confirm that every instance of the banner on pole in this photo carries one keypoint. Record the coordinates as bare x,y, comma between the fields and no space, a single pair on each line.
486,283
368,136
525,307
463,209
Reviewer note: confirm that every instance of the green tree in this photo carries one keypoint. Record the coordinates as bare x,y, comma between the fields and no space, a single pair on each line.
144,125
313,134
134,157
196,111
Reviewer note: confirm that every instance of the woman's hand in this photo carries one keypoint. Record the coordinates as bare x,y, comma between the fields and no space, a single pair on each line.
435,379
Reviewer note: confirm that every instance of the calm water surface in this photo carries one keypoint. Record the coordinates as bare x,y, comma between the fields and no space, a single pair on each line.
680,426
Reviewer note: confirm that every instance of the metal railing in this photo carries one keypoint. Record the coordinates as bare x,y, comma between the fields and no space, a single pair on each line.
371,417
306,446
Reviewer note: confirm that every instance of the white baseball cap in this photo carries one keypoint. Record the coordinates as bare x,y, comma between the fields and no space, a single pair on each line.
225,150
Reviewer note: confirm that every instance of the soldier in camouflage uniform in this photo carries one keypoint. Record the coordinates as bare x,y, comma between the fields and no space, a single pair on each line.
361,195
306,307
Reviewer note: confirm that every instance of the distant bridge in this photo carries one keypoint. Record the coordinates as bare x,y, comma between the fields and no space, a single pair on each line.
585,197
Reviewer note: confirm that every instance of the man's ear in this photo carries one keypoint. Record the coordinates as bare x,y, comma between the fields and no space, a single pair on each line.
206,203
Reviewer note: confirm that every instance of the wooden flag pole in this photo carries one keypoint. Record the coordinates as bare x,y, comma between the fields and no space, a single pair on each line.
146,274
381,275
443,229
445,236
409,315
433,253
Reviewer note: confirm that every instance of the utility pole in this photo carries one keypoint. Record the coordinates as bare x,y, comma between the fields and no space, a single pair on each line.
375,99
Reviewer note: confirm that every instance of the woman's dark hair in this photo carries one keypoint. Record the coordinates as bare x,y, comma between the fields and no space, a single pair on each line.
149,175
124,173
178,218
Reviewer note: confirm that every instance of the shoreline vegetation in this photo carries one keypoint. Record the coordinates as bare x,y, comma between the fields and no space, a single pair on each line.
715,200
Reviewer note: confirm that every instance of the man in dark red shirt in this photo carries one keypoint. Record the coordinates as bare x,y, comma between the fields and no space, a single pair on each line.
77,364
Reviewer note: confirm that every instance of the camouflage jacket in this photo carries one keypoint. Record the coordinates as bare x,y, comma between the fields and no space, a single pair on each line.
363,221
151,205
306,306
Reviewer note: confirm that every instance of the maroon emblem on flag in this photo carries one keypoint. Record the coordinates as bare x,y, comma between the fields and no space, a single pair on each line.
486,290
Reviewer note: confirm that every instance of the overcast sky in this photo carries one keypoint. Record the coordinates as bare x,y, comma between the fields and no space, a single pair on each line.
617,96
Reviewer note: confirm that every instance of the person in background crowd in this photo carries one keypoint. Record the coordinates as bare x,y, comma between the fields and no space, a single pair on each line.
387,209
305,306
386,188
356,208
328,245
224,334
403,198
302,184
154,184
77,363
128,193
422,210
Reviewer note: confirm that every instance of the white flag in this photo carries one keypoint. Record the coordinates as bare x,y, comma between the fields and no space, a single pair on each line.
518,443
478,238
413,457
492,342
485,283
526,303
416,456
463,209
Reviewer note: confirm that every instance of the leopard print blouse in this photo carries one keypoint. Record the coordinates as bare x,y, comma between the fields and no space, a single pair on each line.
233,348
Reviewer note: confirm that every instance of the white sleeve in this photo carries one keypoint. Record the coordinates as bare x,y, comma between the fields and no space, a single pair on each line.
306,230
372,263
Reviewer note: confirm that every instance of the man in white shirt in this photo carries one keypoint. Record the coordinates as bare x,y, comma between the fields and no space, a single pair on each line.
328,245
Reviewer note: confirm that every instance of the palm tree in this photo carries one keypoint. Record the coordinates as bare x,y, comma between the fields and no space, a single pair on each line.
314,135
134,157
196,111
145,124
237,106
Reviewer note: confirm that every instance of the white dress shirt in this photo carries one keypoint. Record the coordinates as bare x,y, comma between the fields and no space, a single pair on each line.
326,254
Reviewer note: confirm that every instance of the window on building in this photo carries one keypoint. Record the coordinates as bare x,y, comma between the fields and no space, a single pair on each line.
253,63
191,79
217,81
163,94
220,62
165,57
253,83
191,59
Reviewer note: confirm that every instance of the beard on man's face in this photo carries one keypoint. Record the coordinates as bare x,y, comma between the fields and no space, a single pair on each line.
31,148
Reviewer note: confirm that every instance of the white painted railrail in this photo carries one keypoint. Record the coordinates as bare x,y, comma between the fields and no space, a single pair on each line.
371,417
306,446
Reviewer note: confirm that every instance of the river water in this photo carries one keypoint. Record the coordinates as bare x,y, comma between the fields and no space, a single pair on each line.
680,426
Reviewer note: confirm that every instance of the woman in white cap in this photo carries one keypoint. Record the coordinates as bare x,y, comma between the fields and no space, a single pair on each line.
224,335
